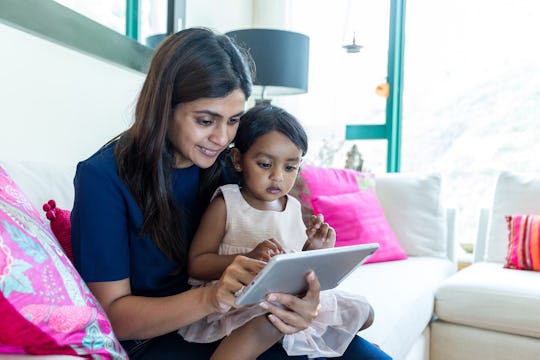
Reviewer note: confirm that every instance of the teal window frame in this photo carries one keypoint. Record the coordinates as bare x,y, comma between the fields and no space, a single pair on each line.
391,130
49,20
132,19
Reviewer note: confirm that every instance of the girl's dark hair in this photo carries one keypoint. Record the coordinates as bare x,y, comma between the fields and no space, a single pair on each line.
191,64
264,118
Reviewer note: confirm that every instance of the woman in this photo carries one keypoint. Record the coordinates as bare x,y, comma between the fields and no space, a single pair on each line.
139,199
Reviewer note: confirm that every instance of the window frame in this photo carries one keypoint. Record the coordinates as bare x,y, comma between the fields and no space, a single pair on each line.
391,130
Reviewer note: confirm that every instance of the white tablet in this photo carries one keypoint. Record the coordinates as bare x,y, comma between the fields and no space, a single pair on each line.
286,273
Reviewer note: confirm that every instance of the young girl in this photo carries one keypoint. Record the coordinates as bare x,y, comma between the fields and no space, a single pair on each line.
258,219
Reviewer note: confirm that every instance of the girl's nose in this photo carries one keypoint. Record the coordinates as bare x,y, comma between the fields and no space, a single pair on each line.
276,175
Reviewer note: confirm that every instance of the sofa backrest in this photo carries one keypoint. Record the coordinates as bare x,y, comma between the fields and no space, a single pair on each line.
43,181
515,194
412,203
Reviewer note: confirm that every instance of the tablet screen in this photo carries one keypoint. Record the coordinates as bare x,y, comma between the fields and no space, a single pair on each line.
286,273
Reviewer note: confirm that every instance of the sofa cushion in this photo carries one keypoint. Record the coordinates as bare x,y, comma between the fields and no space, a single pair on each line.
413,207
515,193
401,293
523,242
348,202
457,342
41,181
46,307
358,218
60,222
488,296
316,181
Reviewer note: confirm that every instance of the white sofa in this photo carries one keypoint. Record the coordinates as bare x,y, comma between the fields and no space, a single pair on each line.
486,311
401,292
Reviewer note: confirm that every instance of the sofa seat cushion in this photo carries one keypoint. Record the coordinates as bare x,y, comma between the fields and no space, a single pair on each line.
402,295
488,296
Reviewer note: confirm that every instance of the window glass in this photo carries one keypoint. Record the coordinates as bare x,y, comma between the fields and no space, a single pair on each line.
471,96
373,154
152,19
342,86
110,13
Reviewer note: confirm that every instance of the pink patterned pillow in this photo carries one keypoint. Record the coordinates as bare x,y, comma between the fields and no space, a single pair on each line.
358,218
46,307
523,242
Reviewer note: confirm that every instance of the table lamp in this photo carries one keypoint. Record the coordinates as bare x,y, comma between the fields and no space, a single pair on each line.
281,60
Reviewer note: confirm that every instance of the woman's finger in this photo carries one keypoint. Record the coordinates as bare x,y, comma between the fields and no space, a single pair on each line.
275,246
293,313
237,275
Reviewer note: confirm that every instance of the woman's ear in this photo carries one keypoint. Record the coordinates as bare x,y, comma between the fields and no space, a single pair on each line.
236,158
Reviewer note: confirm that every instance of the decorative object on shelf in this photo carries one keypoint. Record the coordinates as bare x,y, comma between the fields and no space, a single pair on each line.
354,159
281,60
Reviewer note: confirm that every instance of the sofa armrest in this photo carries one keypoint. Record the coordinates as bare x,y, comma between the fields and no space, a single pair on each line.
481,235
451,214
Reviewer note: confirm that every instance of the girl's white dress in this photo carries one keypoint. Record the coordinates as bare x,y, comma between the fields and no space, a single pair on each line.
341,314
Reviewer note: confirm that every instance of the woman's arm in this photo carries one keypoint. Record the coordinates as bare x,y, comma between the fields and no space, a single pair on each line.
137,317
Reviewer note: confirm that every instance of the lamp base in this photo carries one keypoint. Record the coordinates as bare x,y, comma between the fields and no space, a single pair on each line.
263,101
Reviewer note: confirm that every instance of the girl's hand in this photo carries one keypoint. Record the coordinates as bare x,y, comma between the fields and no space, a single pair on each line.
265,250
291,314
237,275
320,234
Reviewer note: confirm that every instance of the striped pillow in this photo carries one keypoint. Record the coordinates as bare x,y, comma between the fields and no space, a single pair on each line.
523,242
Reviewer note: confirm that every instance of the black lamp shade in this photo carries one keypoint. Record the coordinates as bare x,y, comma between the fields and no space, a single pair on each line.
281,59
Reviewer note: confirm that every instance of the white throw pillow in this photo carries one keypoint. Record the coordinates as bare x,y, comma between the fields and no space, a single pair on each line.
412,205
43,181
515,194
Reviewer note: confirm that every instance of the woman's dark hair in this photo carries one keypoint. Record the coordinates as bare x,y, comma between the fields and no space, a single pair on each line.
264,118
190,64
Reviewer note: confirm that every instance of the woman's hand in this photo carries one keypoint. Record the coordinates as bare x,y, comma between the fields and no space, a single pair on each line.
320,234
235,277
265,250
291,314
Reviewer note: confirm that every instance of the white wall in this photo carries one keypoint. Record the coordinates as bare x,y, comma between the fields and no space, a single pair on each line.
61,105
57,104
219,15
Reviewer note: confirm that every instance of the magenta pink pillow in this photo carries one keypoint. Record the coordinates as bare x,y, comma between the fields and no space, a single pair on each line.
349,204
329,181
314,181
358,218
45,306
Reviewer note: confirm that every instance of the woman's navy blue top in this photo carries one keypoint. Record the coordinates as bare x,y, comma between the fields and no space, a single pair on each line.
106,228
